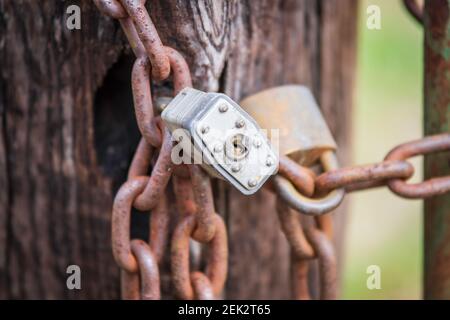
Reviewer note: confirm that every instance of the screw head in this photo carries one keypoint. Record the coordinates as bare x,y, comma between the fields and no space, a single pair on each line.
204,129
257,142
218,147
269,161
239,123
223,108
235,167
252,183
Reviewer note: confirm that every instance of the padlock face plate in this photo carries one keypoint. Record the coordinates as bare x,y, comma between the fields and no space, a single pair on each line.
294,113
235,143
232,142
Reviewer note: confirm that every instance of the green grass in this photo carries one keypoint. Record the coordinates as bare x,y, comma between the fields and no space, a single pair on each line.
383,229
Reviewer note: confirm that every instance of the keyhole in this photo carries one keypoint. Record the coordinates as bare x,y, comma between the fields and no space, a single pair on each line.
238,147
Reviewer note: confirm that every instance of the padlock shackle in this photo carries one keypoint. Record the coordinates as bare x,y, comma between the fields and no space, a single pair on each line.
311,206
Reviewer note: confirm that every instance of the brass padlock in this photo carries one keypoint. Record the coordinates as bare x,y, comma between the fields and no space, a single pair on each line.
293,111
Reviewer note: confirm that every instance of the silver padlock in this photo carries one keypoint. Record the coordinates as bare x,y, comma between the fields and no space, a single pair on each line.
226,141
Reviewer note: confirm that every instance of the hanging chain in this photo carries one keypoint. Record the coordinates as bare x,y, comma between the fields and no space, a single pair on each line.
298,189
139,260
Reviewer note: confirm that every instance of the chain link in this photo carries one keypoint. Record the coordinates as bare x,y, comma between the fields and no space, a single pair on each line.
140,31
138,260
314,241
146,281
313,206
298,188
216,269
393,172
309,240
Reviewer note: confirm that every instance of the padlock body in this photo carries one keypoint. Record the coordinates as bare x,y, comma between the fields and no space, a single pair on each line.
225,135
293,113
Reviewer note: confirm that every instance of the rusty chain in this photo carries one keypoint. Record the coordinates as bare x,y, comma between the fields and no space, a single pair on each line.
313,239
298,188
309,240
393,172
138,259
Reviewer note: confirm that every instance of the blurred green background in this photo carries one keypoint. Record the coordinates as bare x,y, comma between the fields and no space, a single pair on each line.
384,229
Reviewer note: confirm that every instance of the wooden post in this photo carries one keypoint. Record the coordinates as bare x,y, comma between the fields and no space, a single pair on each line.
67,129
437,120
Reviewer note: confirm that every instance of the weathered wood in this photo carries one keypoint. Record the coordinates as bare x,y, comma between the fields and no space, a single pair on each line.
437,120
68,130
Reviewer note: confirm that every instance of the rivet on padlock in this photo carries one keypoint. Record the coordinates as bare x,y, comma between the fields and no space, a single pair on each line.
303,136
223,135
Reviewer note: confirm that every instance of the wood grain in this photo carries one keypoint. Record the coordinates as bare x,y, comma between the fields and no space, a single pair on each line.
67,133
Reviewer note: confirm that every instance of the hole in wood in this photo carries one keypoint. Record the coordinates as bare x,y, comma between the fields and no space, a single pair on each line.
116,132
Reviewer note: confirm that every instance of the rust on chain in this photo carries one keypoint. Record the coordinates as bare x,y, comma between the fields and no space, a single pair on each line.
120,224
437,120
159,219
293,230
324,250
111,8
181,170
180,70
201,185
346,177
414,9
301,177
202,286
145,42
184,195
159,228
306,205
159,178
299,275
114,9
133,38
137,259
325,224
149,37
216,269
142,96
428,188
359,186
143,104
141,160
148,274
306,243
144,113
129,285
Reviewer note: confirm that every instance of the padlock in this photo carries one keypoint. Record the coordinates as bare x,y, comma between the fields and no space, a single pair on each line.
226,141
293,111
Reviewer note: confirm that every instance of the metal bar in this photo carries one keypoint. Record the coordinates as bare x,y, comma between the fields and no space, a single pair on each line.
437,120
